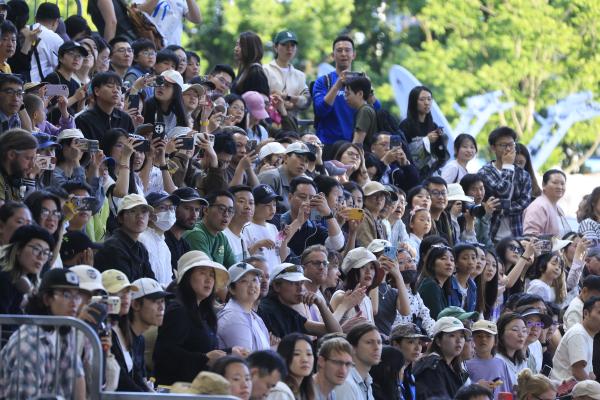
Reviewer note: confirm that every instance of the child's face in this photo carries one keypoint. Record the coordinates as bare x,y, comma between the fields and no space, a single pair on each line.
484,342
265,211
39,115
421,223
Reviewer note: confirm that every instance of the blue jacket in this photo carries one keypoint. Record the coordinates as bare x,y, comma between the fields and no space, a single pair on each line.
456,295
336,122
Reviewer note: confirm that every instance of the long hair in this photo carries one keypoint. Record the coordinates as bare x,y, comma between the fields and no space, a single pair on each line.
487,293
502,323
34,202
412,117
428,271
199,313
559,284
588,209
529,383
341,148
434,347
252,50
286,350
109,140
501,248
521,149
153,112
392,361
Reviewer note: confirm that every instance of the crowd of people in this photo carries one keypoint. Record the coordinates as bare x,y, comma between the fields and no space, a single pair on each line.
217,247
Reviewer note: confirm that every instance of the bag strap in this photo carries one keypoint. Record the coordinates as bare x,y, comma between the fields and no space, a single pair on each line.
36,54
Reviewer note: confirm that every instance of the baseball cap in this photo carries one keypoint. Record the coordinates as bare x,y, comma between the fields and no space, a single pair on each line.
196,258
238,270
271,148
586,388
131,201
30,86
358,258
207,383
300,148
264,194
529,311
155,198
174,77
90,278
71,45
374,187
59,278
459,313
288,272
148,287
114,281
70,134
255,102
408,330
285,37
392,192
25,233
485,326
456,193
448,325
193,86
75,242
187,194
44,140
378,245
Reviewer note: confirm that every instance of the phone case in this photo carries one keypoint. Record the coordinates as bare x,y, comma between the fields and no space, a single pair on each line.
355,214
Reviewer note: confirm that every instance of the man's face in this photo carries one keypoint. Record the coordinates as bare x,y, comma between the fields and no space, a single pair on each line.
20,162
290,293
315,267
368,349
439,196
304,193
187,213
354,99
593,265
336,368
244,205
503,144
109,93
477,191
240,147
8,45
381,146
375,202
222,82
262,384
295,164
343,55
11,98
151,312
592,317
135,220
218,216
122,55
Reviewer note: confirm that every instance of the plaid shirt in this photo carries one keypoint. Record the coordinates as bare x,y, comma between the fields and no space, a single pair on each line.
29,363
499,184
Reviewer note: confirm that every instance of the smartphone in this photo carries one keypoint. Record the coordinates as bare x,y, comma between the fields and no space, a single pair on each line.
88,145
158,81
47,163
355,214
251,145
83,203
57,90
390,252
142,145
354,74
220,108
187,143
315,216
134,101
113,303
544,245
395,141
159,131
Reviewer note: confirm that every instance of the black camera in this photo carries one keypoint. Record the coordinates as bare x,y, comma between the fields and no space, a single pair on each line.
477,211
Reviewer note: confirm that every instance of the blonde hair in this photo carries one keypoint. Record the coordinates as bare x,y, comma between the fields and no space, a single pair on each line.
530,383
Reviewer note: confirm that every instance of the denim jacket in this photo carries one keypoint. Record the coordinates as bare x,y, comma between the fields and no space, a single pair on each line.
456,295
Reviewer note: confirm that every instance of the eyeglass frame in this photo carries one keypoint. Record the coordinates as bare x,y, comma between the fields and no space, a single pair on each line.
38,251
223,209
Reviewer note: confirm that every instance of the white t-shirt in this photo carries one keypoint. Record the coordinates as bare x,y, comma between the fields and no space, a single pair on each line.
576,345
574,313
168,15
235,242
253,233
537,354
542,289
159,255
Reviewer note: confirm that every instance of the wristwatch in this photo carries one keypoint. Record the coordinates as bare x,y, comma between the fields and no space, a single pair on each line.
330,216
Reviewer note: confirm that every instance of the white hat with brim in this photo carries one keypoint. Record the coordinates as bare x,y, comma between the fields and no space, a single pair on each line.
289,272
133,200
271,148
197,87
456,193
448,325
196,258
90,278
239,270
358,258
114,281
173,77
586,388
559,244
378,245
374,187
70,134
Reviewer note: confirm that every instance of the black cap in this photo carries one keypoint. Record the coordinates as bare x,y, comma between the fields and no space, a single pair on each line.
59,278
155,198
75,242
201,80
528,311
47,11
25,233
187,194
264,194
70,45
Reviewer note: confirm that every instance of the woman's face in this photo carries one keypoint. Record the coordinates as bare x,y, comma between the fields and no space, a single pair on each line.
333,274
117,149
236,110
424,102
451,344
103,60
357,198
237,51
444,266
125,296
513,251
420,224
421,200
238,376
73,151
367,274
49,216
520,160
467,262
164,92
202,281
553,268
286,51
335,199
302,360
400,206
21,217
554,189
33,256
191,100
514,335
411,349
138,160
466,151
491,266
351,157
247,289
480,266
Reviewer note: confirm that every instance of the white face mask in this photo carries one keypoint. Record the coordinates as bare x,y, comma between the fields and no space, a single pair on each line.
165,220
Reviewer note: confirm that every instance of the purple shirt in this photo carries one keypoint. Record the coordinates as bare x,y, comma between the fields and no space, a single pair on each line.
489,370
237,327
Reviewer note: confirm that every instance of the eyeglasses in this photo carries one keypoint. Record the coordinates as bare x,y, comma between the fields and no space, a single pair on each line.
438,193
38,251
340,363
124,50
505,146
317,263
515,249
13,92
537,324
50,213
69,295
148,53
290,269
224,209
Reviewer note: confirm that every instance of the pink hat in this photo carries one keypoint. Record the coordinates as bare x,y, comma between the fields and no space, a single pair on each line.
255,102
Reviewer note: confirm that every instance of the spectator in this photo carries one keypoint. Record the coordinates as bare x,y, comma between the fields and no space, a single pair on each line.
123,250
104,115
473,186
352,157
217,159
170,16
144,58
17,154
283,78
586,390
121,55
165,60
12,216
387,374
523,160
193,97
162,218
409,339
207,235
367,346
419,226
103,60
266,368
465,149
296,350
314,261
238,324
512,333
11,101
443,363
222,76
573,357
464,289
8,34
45,53
549,278
77,248
489,288
244,210
256,116
356,92
534,385
248,54
473,392
574,312
333,366
507,182
399,170
166,105
77,28
295,163
286,291
181,57
442,222
536,322
187,340
82,214
235,370
193,66
36,110
435,283
21,262
241,168
544,216
371,226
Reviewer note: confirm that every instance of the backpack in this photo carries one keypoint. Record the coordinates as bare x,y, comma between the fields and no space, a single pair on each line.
310,89
144,26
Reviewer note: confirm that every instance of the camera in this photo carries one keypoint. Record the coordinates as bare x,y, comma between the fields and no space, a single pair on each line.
475,210
354,75
505,204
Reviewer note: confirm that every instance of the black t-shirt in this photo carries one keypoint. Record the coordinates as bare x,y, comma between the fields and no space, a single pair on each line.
55,78
280,319
178,247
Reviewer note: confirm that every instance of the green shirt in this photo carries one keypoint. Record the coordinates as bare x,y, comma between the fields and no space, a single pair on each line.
215,246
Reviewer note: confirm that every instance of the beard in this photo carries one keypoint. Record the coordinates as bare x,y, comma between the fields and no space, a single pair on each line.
15,169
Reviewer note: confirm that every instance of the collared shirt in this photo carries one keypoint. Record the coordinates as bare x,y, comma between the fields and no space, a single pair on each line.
355,387
95,122
280,182
7,122
215,246
238,327
319,395
47,49
123,253
178,247
159,254
456,296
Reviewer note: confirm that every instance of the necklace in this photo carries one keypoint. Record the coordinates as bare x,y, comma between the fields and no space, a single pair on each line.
387,288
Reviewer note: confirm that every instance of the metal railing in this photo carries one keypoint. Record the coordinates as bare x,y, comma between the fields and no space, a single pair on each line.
94,387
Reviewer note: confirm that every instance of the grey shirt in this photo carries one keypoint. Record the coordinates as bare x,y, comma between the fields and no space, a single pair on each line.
280,182
355,388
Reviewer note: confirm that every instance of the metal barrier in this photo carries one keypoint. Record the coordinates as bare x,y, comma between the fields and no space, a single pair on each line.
94,389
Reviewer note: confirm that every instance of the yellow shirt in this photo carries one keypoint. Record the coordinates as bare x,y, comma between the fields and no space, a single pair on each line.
5,68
